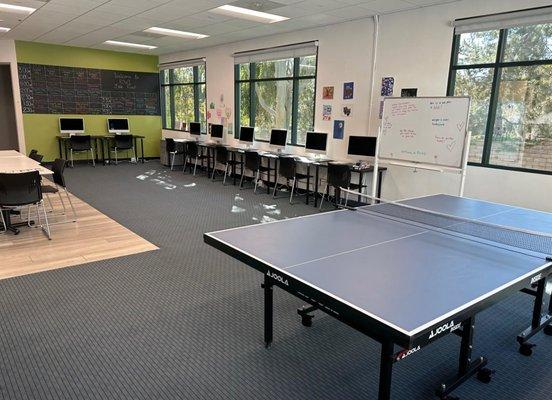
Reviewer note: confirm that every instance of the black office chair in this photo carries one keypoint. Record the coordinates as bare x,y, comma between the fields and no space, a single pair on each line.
33,155
20,190
121,143
253,163
193,153
287,169
339,176
223,157
173,151
58,168
80,144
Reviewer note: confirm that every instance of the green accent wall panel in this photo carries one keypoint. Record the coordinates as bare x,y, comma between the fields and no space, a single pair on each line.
41,129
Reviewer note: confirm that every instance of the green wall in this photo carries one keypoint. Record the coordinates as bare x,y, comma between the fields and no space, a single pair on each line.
41,129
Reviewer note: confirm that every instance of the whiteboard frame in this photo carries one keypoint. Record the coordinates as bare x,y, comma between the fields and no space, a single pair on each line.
426,166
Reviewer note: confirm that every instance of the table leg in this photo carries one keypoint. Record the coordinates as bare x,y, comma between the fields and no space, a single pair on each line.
386,370
308,184
360,182
142,147
59,144
234,166
316,176
380,177
268,310
268,178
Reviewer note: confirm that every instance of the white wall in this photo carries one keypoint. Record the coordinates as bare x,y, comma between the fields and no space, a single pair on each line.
414,47
8,56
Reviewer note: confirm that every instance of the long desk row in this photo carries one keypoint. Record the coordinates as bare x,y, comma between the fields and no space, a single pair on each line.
272,157
101,145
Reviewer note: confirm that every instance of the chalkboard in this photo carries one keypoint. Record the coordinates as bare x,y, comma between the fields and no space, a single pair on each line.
429,130
48,89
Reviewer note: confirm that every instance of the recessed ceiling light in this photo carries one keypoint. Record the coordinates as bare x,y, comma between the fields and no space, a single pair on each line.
246,13
174,32
2,29
126,44
16,9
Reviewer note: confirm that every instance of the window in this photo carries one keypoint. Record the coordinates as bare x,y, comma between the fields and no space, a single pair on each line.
507,72
277,93
183,96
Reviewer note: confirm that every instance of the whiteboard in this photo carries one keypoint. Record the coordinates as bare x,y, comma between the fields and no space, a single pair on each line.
427,130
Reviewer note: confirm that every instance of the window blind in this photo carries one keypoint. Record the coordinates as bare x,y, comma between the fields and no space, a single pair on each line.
533,16
277,53
181,64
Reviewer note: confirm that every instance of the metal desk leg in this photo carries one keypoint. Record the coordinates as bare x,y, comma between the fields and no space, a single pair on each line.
142,147
386,370
316,175
360,182
380,178
59,144
308,184
268,177
234,166
268,310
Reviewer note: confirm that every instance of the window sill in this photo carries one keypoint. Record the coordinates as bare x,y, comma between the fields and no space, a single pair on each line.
505,168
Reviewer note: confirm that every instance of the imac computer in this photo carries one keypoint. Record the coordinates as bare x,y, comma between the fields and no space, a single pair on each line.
216,132
118,125
247,134
71,126
316,143
195,129
278,139
362,147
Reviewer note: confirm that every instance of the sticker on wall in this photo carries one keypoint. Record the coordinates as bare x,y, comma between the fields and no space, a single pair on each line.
348,90
228,112
222,97
409,92
381,110
387,84
347,110
219,112
230,129
327,112
212,105
339,129
208,114
328,92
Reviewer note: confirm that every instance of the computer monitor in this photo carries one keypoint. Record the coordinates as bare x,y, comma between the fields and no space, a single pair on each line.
278,138
71,126
247,133
195,128
362,147
117,125
316,142
216,131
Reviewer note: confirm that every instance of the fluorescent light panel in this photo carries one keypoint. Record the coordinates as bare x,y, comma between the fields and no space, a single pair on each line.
246,13
16,9
126,44
174,32
3,29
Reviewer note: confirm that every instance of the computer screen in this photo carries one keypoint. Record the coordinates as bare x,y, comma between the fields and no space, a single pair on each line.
117,125
71,125
278,137
247,133
316,141
362,146
195,128
216,131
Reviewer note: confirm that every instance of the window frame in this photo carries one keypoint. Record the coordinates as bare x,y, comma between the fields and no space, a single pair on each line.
295,79
196,89
496,67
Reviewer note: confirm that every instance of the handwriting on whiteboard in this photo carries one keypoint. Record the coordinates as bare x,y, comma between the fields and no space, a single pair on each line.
439,121
402,108
439,104
407,133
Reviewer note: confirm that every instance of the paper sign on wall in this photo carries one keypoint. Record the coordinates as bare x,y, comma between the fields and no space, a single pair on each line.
387,85
339,129
348,90
328,92
327,112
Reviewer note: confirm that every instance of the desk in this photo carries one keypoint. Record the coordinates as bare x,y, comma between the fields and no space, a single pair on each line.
108,138
100,143
12,162
403,277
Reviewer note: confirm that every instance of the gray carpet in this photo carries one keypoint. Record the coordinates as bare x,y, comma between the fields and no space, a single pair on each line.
185,322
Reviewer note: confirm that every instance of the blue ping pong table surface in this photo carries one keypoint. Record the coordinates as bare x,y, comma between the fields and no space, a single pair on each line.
404,275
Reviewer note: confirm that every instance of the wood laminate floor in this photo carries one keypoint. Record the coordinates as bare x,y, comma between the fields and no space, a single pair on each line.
93,237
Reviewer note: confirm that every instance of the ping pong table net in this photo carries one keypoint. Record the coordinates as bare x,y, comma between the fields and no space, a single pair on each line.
537,242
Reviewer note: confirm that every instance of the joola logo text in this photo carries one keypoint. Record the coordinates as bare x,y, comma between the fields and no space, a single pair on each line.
403,354
277,277
536,278
448,327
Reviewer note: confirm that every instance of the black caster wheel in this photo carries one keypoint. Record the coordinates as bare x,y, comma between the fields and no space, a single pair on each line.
485,375
267,345
547,330
450,397
306,320
526,349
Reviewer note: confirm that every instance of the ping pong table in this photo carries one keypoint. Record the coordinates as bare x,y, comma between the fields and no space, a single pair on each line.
407,273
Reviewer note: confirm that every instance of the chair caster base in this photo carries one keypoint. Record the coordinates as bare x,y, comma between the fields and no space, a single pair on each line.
526,349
